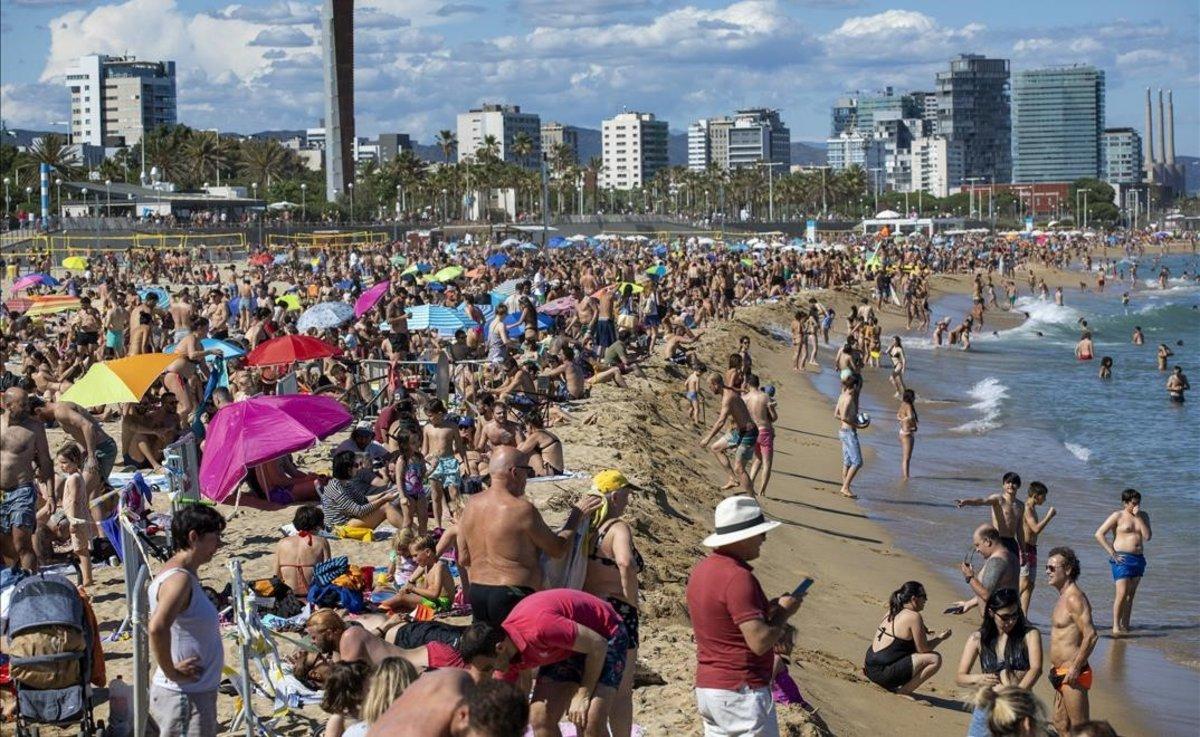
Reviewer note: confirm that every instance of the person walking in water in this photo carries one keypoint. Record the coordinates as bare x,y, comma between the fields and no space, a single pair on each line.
1130,528
907,417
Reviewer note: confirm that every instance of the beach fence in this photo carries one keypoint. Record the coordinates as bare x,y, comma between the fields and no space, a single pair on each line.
310,244
40,252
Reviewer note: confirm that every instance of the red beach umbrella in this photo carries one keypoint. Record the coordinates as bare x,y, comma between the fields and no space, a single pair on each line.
290,349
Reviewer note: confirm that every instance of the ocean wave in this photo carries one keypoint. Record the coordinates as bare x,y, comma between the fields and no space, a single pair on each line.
1045,312
1081,452
989,395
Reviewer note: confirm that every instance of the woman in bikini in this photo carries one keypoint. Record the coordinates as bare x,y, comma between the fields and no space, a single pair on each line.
544,448
612,574
907,416
899,363
296,556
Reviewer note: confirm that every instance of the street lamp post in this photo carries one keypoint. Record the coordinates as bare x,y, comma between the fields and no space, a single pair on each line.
396,219
303,201
770,166
6,181
84,192
351,186
261,213
107,198
58,185
875,185
445,205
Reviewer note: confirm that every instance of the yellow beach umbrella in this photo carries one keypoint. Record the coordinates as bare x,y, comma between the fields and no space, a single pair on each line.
448,274
74,262
291,300
121,380
637,288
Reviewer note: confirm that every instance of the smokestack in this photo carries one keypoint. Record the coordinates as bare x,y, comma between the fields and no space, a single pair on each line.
1148,153
1162,134
1170,128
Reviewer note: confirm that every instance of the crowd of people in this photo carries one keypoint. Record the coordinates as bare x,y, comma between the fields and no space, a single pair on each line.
444,457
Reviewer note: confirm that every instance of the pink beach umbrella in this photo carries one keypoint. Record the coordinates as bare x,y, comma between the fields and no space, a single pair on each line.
261,429
370,298
558,306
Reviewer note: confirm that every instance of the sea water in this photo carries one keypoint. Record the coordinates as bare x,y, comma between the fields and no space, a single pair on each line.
1020,401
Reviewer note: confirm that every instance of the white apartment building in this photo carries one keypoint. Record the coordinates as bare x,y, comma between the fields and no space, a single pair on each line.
699,150
855,149
504,123
116,99
634,147
937,165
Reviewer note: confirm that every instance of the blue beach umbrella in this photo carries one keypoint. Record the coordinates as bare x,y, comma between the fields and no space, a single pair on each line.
504,289
160,292
497,260
527,247
325,315
516,330
228,350
444,320
487,310
344,284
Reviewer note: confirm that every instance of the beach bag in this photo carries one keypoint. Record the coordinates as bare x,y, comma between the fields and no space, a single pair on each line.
327,570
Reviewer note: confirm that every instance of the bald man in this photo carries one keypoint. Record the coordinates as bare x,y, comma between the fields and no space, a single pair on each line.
501,534
447,703
332,637
24,459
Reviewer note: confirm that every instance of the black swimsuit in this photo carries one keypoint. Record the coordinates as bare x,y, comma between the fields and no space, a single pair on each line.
890,667
629,612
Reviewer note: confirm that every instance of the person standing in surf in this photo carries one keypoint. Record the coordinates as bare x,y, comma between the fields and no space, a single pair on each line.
1084,349
1177,384
1072,639
907,417
1130,528
1008,512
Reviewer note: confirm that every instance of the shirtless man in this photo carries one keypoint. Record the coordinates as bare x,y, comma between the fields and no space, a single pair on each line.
100,450
799,341
446,454
846,412
501,534
606,332
24,460
1072,638
500,430
116,323
1084,350
1033,528
1130,527
339,642
761,407
245,304
181,376
85,325
569,372
1008,513
141,324
447,703
181,314
742,438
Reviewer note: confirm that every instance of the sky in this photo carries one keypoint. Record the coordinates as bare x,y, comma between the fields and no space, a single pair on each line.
255,65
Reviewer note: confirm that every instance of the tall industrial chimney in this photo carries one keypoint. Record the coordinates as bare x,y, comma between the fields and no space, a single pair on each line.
1162,134
1149,151
1170,128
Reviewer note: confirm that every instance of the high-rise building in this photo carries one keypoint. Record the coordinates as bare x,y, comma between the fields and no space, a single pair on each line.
896,136
758,135
1121,153
973,108
843,117
937,165
885,105
391,144
855,149
1057,123
116,99
557,134
699,149
926,104
337,57
504,123
634,149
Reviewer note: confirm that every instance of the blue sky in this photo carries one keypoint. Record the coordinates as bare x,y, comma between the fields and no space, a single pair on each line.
254,64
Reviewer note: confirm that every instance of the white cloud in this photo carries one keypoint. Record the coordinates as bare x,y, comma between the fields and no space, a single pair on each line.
1145,58
898,36
33,105
286,37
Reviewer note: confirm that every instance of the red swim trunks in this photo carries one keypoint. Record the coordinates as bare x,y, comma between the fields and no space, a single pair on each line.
766,441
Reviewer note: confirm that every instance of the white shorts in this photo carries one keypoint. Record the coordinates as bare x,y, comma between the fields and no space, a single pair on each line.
747,712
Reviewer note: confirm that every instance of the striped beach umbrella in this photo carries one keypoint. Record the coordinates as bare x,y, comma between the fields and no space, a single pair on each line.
444,320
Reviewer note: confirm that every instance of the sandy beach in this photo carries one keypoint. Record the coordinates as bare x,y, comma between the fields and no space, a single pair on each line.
645,431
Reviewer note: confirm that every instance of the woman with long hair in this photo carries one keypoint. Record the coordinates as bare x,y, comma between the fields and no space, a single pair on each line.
1014,712
901,656
389,680
907,417
1009,651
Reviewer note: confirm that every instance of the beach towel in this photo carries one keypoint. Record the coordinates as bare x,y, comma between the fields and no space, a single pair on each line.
569,571
350,532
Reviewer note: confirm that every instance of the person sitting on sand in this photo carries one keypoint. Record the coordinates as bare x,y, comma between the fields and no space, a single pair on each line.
296,556
1009,651
344,688
430,585
1014,712
544,448
901,656
346,501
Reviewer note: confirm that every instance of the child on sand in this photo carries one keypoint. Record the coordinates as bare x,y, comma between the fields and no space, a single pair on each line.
72,521
401,564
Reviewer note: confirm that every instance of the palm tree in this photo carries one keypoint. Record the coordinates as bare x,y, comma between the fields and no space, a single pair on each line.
489,149
205,155
522,147
448,143
52,150
165,151
262,160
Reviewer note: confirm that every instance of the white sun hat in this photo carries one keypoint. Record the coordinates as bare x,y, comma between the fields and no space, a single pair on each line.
738,518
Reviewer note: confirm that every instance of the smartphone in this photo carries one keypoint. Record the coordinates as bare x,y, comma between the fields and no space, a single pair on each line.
803,587
953,610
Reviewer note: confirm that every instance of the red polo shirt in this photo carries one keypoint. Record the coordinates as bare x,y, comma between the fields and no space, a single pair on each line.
722,593
542,625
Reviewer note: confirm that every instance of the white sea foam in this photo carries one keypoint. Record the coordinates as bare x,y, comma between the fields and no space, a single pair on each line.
1045,312
1081,452
989,395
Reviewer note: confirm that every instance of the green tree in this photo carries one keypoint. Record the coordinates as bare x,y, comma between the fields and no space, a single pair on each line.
52,149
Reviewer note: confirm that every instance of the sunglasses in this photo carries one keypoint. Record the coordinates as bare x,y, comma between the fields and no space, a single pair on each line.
1051,568
1008,616
526,469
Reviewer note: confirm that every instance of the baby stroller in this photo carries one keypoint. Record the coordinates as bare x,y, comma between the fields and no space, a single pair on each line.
49,641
